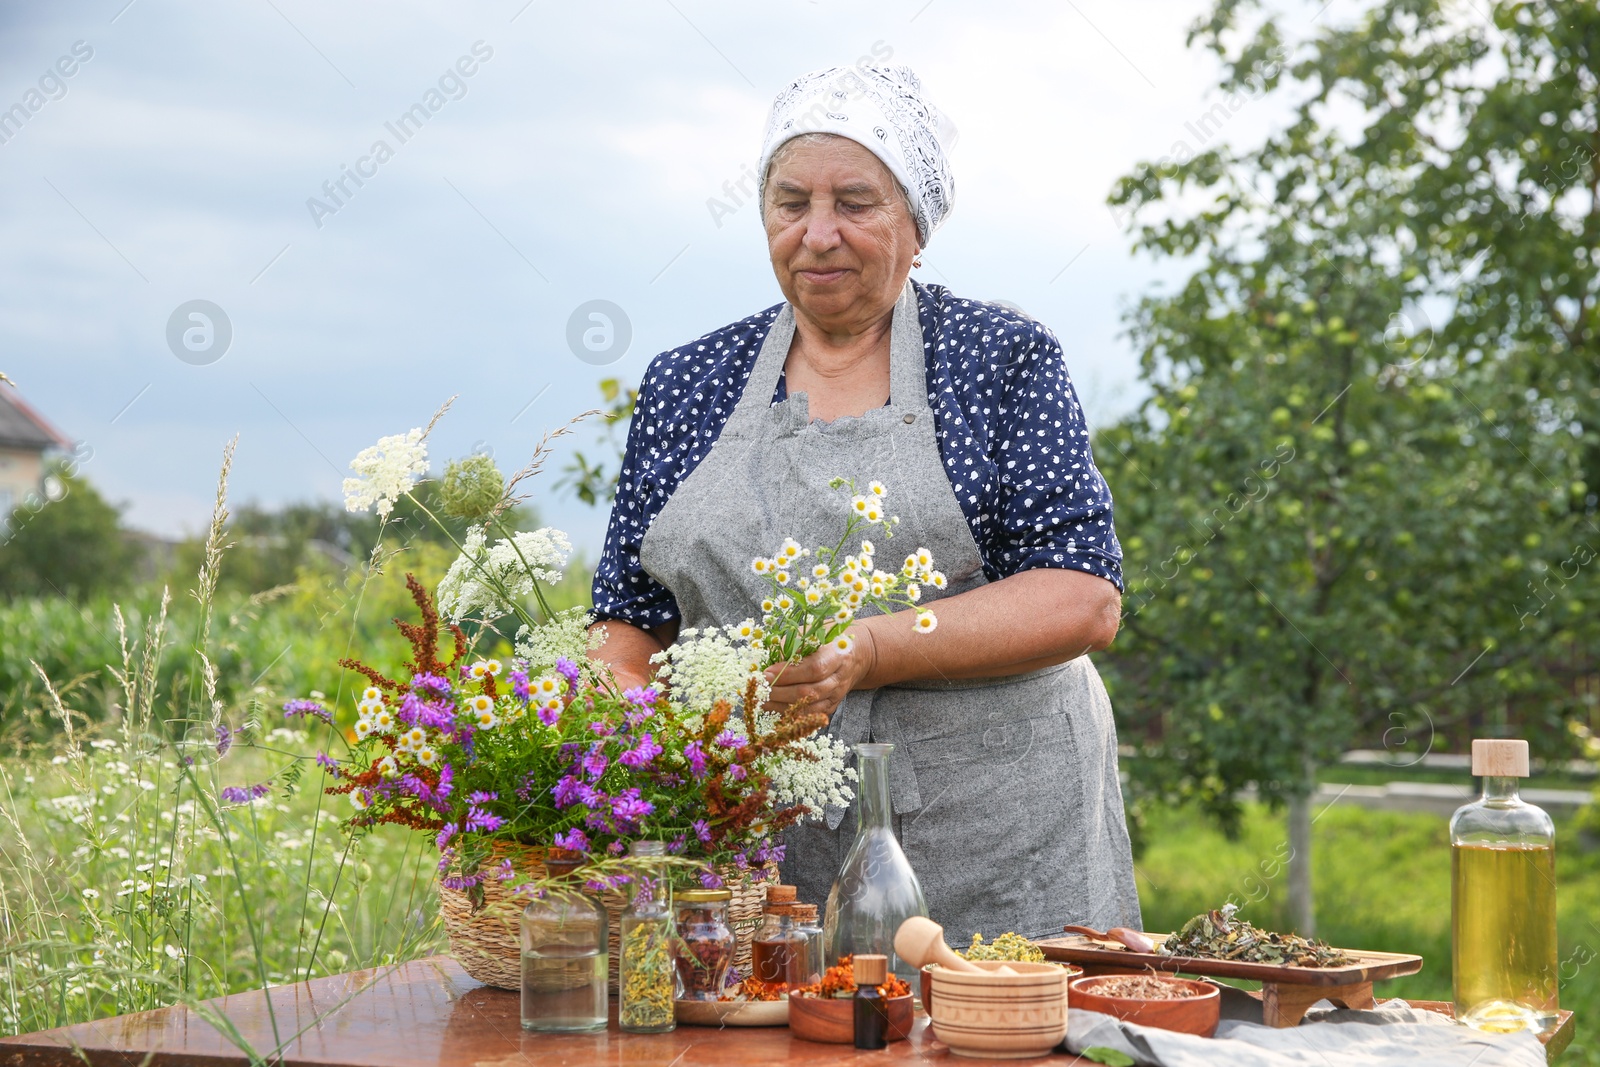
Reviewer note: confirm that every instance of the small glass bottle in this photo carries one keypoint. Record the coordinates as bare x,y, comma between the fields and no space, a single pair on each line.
871,1010
564,954
1503,900
808,965
774,946
876,889
705,946
647,977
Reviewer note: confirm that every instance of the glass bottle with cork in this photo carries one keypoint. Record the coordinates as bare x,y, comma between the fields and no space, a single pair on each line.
869,1008
1503,900
807,967
647,976
565,958
775,948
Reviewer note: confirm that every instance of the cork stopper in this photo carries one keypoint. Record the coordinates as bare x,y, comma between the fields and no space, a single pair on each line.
1500,759
782,894
804,913
780,909
870,970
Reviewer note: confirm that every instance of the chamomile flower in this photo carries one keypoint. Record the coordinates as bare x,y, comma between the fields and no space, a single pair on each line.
844,643
937,579
426,756
358,799
874,511
767,606
791,547
868,548
414,737
491,667
548,685
782,577
853,599
388,767
478,670
747,629
820,571
487,720
924,558
843,615
371,694
383,722
877,489
877,589
363,728
802,582
762,565
785,603
860,504
813,596
913,592
481,703
909,567
926,621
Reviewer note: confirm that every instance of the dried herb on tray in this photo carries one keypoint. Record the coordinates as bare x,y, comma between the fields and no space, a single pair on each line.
1218,935
839,981
1141,987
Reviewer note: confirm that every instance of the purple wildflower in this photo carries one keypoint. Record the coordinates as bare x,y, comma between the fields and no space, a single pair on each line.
529,784
566,791
603,728
736,772
568,670
729,739
328,763
595,763
445,834
431,683
575,839
641,697
711,880
642,754
481,797
741,861
482,821
224,739
243,794
505,872
519,686
702,830
696,755
549,716
629,807
461,882
676,845
296,708
616,848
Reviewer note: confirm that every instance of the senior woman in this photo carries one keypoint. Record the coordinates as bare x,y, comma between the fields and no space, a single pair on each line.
1003,779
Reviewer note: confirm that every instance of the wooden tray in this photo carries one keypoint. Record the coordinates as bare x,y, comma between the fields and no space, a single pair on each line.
1286,992
1368,966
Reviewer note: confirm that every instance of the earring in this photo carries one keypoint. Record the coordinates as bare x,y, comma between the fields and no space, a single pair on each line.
916,260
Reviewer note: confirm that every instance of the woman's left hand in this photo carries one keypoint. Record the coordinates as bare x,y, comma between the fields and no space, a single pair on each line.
825,677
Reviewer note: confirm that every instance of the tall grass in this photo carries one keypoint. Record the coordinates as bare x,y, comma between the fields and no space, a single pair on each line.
132,876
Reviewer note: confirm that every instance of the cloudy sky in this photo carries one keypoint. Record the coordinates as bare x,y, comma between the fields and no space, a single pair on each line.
578,161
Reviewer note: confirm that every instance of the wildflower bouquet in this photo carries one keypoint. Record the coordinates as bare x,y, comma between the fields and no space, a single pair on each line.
545,748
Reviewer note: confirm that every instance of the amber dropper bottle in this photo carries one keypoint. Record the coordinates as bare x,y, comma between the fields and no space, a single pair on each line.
871,1009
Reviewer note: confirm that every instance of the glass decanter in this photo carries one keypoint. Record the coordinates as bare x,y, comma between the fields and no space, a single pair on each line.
876,889
1503,900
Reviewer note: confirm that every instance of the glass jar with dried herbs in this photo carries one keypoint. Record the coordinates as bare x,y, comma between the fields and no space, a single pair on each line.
647,977
705,943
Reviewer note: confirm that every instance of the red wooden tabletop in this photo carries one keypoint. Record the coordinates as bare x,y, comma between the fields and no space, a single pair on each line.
421,1014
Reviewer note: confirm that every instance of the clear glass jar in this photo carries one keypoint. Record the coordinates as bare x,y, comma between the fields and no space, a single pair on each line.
810,964
564,956
705,946
1503,900
876,889
647,978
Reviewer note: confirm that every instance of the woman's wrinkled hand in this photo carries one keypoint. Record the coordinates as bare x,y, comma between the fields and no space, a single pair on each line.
825,677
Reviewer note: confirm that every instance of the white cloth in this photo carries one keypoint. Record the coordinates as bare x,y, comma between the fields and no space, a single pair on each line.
883,109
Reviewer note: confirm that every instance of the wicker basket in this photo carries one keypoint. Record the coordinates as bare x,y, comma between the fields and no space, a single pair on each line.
487,942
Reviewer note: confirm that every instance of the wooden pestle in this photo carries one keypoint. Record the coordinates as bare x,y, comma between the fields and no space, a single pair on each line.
920,941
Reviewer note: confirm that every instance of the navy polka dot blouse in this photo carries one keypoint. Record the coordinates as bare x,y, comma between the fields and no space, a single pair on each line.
1010,431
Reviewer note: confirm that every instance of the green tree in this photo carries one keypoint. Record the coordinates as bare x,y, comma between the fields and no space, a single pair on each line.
1332,505
66,541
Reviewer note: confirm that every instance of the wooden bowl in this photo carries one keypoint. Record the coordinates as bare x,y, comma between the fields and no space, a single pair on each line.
1000,1016
1196,1013
832,1020
925,987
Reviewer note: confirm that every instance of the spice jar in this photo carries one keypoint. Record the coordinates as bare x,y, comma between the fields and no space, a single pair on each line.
647,976
808,965
777,953
705,945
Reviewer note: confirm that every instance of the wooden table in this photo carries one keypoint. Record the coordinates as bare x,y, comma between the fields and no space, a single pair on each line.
429,1013
425,1014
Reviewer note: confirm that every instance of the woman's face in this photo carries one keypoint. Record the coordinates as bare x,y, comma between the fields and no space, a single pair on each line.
838,231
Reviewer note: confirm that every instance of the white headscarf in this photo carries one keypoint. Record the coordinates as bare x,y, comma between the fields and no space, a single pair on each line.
882,109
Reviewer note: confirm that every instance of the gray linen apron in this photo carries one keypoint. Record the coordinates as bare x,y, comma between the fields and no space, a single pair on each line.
1004,790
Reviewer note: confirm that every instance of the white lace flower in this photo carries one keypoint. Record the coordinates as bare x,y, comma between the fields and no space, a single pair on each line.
711,665
566,635
386,471
488,581
817,779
